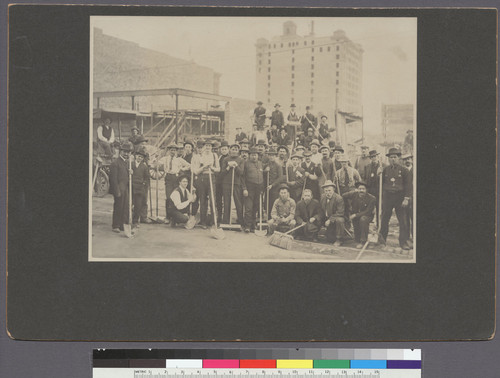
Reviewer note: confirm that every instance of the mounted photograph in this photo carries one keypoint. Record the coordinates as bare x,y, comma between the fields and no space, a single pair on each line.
256,139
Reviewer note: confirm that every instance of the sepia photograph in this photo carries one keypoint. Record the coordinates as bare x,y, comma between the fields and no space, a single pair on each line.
253,139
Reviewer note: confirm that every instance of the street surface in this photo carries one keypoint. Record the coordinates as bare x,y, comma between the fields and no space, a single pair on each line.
161,242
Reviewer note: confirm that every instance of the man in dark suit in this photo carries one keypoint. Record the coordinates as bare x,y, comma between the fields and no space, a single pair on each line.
240,135
308,211
332,214
232,170
408,163
277,117
295,177
362,206
140,185
308,120
372,178
118,187
312,173
283,138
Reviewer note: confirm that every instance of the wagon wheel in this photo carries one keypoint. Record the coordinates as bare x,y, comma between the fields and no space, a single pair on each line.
101,186
152,174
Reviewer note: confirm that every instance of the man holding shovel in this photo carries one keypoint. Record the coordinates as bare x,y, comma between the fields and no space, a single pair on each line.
179,201
119,183
232,169
253,183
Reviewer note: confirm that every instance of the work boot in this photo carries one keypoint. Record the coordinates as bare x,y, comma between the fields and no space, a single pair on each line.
359,246
337,243
117,230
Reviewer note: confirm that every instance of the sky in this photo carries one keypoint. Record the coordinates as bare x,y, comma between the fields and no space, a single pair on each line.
227,45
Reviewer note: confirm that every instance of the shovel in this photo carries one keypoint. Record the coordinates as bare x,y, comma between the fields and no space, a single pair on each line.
217,233
191,222
127,228
260,231
231,226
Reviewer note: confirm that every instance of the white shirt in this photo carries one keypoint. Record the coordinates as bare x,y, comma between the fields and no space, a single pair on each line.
176,199
316,158
173,165
203,160
101,137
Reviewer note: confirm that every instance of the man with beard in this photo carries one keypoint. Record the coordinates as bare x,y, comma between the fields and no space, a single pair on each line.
140,186
332,214
232,169
372,178
312,173
396,194
118,187
362,161
219,200
362,206
253,183
295,177
283,212
308,211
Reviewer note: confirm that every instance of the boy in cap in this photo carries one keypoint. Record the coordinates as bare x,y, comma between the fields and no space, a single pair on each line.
118,187
180,202
253,184
277,117
295,177
332,214
140,186
283,212
362,210
232,164
203,165
308,211
396,194
316,156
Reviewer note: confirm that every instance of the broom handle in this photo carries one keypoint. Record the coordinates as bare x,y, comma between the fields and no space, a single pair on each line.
380,198
191,203
212,195
260,211
296,228
156,190
267,197
232,194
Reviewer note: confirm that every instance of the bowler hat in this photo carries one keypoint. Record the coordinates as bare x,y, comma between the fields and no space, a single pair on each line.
406,156
200,143
324,148
261,142
360,183
300,146
324,116
189,142
339,148
141,151
235,145
307,153
393,151
373,153
209,141
244,149
314,141
224,143
172,145
331,144
296,155
284,186
127,146
409,131
244,140
259,103
135,128
254,150
285,147
308,107
275,105
293,106
328,183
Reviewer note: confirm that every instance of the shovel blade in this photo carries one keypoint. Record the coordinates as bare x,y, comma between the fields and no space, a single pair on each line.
191,223
127,230
261,233
217,233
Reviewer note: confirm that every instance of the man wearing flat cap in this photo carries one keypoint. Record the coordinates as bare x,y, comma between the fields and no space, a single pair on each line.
396,194
140,186
259,116
119,187
325,165
283,212
362,210
332,213
253,184
173,166
277,117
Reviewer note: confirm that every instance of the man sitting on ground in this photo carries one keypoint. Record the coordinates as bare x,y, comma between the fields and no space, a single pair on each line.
283,212
179,201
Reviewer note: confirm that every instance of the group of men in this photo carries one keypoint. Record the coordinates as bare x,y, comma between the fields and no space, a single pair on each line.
304,188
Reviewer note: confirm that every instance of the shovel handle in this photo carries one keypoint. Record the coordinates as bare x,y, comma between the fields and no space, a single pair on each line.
296,228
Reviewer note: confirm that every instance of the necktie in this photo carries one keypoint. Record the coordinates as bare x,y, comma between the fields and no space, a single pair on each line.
346,177
170,165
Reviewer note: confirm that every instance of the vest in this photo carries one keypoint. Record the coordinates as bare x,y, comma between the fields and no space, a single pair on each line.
106,132
184,198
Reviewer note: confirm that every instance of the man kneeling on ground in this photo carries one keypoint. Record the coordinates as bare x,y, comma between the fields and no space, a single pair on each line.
283,212
179,201
332,213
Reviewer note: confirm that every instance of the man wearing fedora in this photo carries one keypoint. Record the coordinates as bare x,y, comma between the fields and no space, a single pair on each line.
362,161
203,165
253,184
362,207
308,211
140,186
259,116
396,194
332,213
372,178
119,187
325,165
295,177
232,165
283,212
277,117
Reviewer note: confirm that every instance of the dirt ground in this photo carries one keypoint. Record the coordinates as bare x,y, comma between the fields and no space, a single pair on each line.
161,242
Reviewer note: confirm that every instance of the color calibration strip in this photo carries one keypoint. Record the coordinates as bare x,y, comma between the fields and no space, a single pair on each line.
260,359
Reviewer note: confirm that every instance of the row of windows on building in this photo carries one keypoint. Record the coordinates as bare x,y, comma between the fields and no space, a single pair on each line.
326,48
292,44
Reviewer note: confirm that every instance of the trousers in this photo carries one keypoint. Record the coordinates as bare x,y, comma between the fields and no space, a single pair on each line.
394,201
361,227
335,230
205,198
252,204
238,202
120,210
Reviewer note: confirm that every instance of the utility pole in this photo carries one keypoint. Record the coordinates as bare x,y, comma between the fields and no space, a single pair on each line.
176,115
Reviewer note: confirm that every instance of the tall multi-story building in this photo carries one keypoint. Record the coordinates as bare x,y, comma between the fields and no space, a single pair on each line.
324,72
397,119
